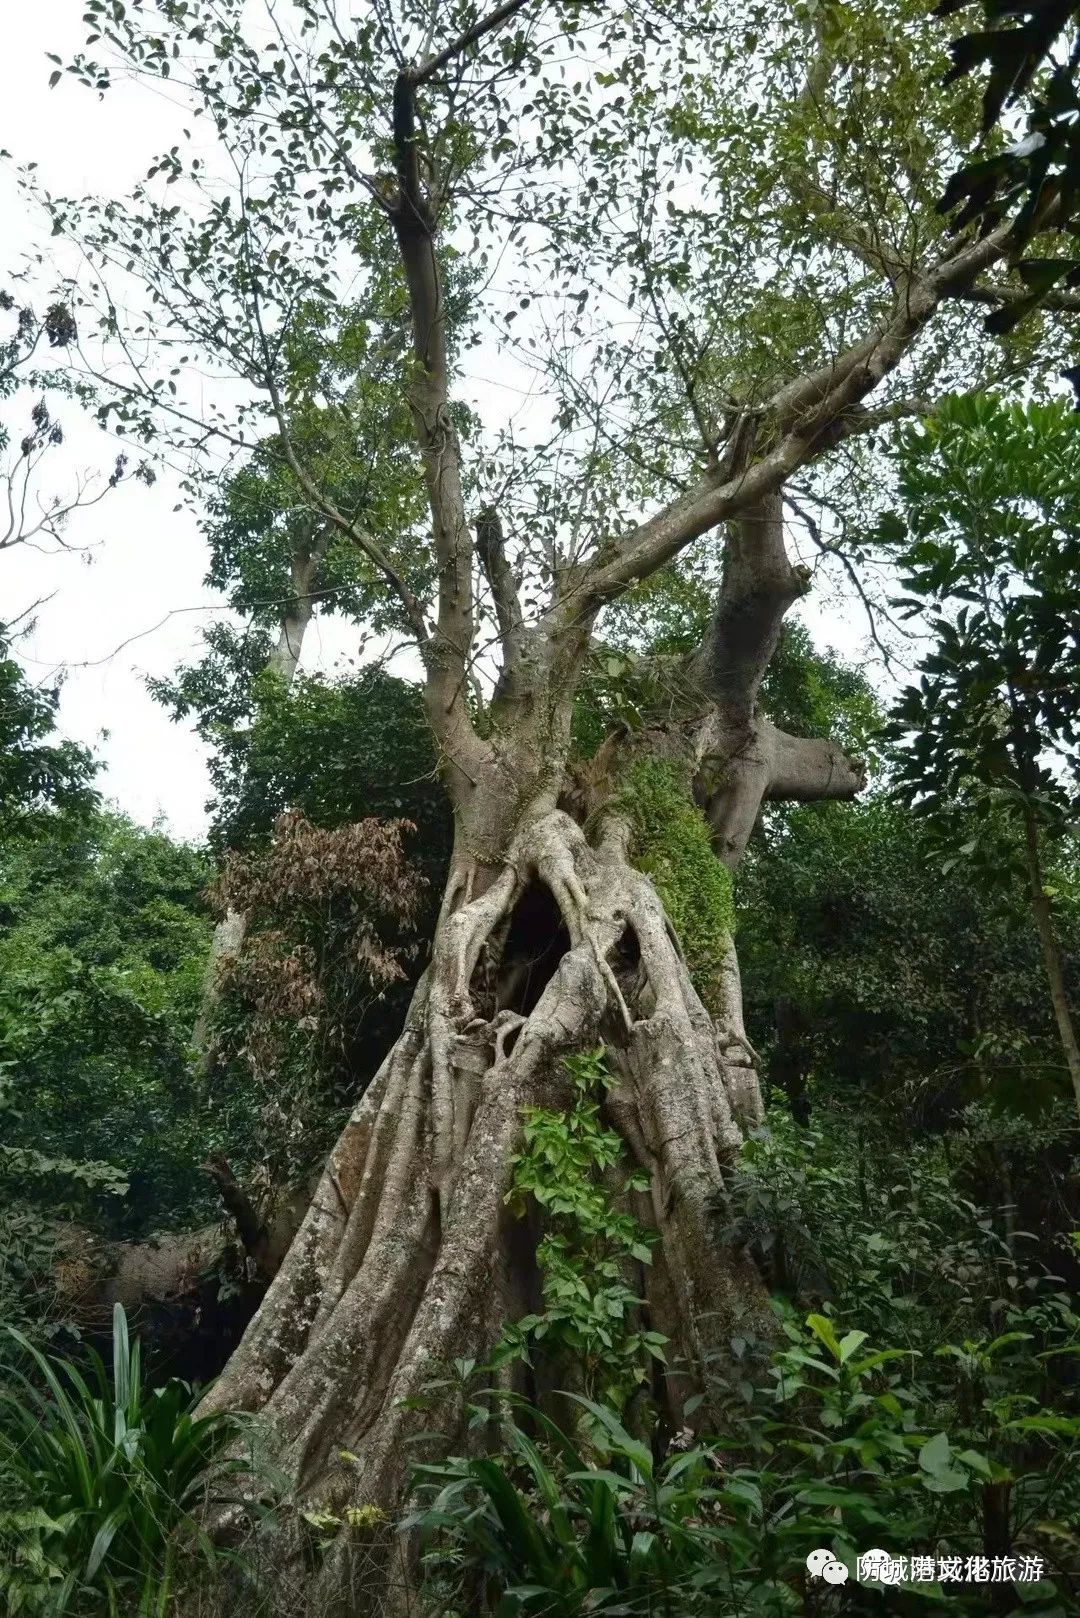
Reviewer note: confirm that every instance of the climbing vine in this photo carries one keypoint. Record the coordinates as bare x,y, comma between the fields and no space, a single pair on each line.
568,1165
670,843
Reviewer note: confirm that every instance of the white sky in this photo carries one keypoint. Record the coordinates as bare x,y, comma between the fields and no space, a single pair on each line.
142,561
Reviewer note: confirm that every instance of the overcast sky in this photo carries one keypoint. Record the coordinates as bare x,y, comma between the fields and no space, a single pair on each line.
138,576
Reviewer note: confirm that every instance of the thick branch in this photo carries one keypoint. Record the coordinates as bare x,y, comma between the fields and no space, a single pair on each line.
760,763
813,412
491,551
472,36
446,654
1001,297
249,1227
304,572
808,769
759,585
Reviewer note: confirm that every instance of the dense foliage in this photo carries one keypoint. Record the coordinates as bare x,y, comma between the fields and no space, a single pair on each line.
102,956
864,959
926,1404
100,1478
38,771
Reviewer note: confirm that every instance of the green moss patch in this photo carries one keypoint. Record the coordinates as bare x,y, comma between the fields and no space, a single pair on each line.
670,843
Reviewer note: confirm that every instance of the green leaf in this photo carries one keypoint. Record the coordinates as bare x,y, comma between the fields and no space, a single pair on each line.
936,1453
849,1343
824,1330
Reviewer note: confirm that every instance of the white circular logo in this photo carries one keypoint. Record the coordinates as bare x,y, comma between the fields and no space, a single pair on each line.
822,1564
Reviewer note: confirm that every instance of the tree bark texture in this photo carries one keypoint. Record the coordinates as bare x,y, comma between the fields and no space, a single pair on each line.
406,1259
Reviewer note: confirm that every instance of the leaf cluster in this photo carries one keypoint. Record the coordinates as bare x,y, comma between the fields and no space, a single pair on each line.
987,538
571,1168
99,1477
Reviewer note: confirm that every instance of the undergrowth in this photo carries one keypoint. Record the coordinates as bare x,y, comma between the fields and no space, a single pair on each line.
100,1480
919,1397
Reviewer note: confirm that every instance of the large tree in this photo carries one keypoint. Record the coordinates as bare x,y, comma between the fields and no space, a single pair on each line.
710,236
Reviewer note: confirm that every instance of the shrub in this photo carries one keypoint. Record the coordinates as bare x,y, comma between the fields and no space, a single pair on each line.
843,1447
99,1481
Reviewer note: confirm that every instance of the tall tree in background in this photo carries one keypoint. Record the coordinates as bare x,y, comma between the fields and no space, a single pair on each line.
725,271
988,535
278,562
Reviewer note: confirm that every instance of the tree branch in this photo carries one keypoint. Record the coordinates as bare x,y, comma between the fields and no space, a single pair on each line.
446,653
304,568
249,1227
471,36
765,764
491,551
813,412
1000,297
808,769
759,585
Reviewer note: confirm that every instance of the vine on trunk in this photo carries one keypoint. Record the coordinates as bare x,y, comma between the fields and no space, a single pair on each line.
568,1164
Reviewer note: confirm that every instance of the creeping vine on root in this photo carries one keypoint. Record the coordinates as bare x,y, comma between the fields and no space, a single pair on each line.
589,1245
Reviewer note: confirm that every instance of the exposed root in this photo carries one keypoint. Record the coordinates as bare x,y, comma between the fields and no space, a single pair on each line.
400,1262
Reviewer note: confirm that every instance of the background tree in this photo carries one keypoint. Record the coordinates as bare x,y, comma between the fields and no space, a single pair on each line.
103,947
343,754
278,563
728,277
987,540
40,775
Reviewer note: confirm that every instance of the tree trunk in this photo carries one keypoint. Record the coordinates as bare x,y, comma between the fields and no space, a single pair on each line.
1055,972
549,943
402,1263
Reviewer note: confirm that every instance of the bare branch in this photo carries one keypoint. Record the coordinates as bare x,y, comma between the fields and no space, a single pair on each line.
766,764
827,549
472,36
249,1227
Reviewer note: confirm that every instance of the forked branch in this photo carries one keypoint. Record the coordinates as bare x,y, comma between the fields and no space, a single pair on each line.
815,411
